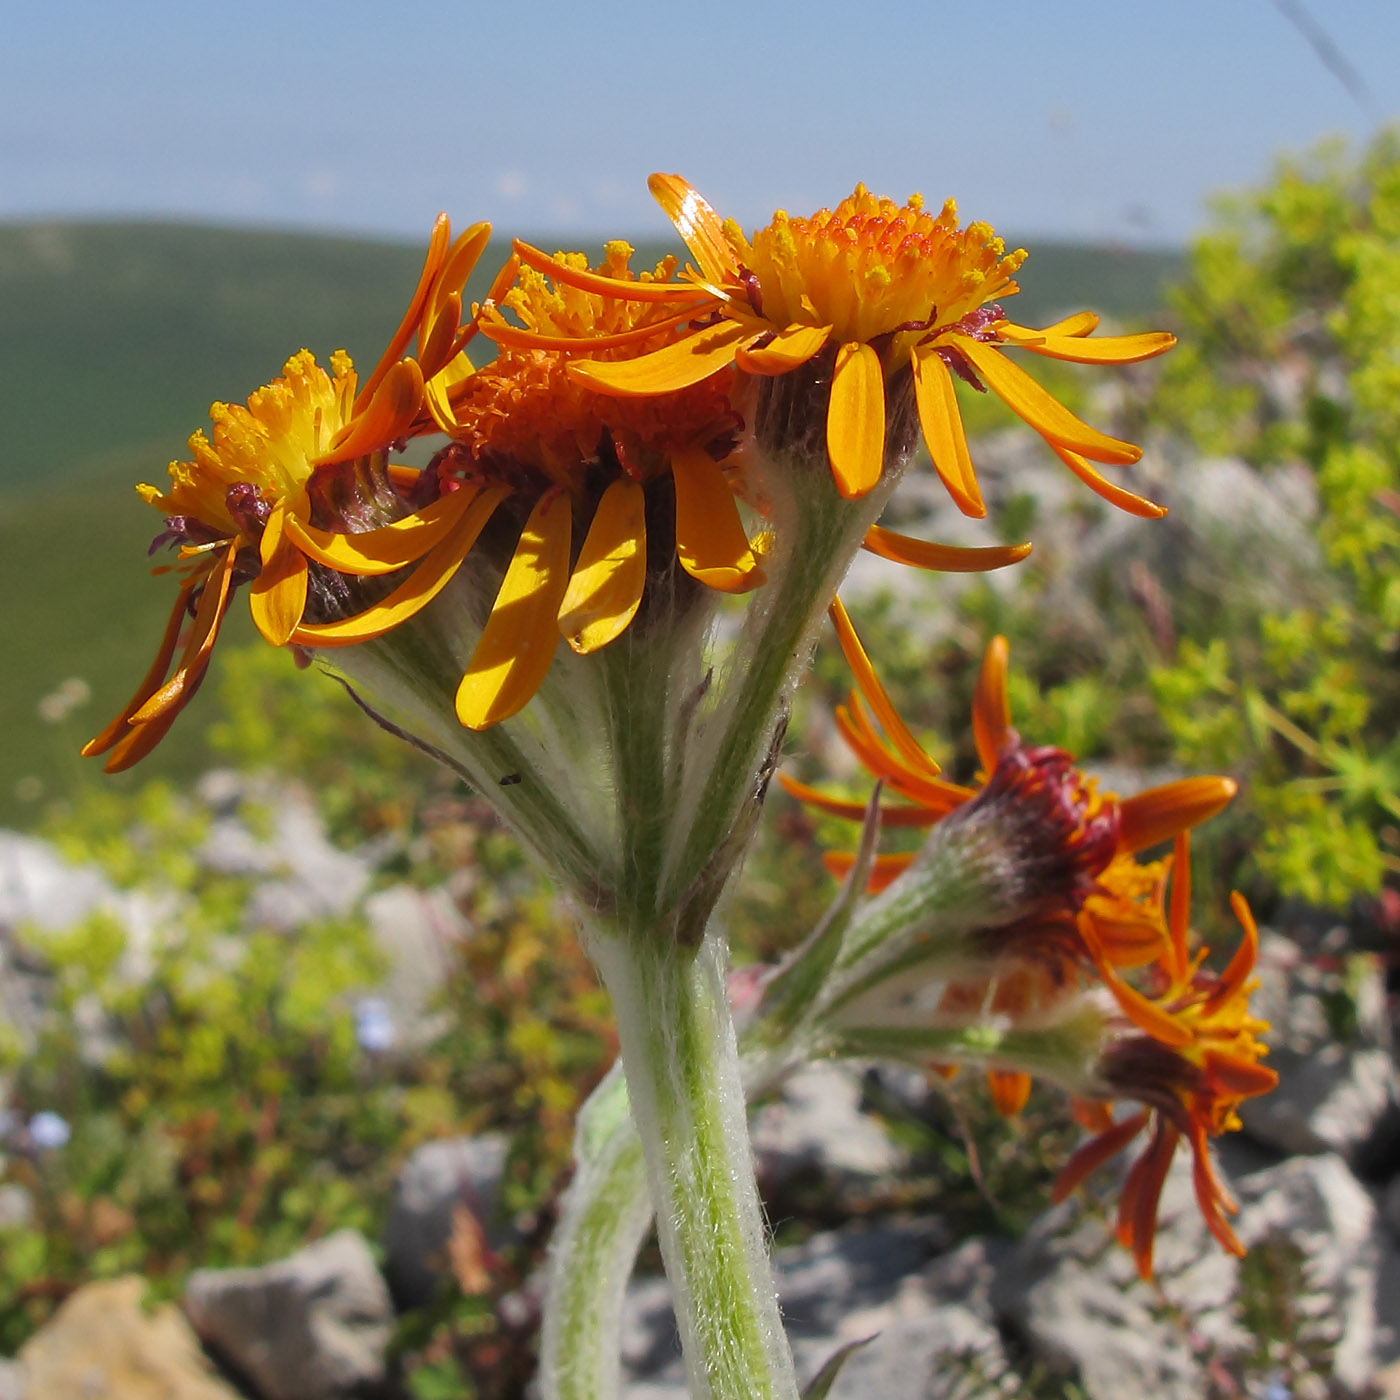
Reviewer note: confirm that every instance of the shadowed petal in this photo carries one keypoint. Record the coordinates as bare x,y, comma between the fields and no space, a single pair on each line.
788,349
606,586
517,645
383,550
711,542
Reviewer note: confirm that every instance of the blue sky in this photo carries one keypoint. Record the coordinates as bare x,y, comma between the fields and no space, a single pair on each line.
1106,119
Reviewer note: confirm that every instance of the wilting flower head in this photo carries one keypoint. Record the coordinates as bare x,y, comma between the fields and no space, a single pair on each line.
890,295
294,492
1189,1054
1074,844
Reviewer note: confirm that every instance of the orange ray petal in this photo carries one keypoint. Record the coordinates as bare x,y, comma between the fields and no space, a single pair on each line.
1090,1156
903,740
458,265
418,589
150,682
1179,909
886,871
388,416
277,597
1011,1090
942,425
620,289
605,588
208,615
991,706
855,811
677,366
855,420
1138,1222
517,644
711,542
383,550
1114,494
495,327
1045,413
698,225
943,558
788,349
432,265
1148,818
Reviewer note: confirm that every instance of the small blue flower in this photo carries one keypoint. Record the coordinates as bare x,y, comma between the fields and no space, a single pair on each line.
47,1131
374,1025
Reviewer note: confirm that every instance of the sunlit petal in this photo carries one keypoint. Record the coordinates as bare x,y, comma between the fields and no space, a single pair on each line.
942,426
944,558
1046,414
711,541
855,421
698,225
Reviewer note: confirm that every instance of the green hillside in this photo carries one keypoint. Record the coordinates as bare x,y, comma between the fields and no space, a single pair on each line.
114,339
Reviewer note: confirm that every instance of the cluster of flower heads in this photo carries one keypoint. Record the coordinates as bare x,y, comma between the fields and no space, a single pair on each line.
603,446
1183,1048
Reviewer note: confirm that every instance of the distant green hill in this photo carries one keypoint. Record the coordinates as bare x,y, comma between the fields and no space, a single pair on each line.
115,338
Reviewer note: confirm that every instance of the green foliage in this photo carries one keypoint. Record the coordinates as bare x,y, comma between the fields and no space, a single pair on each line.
1291,351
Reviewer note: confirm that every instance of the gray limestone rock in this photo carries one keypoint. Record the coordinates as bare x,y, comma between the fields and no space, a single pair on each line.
438,1178
314,1326
816,1128
1338,1086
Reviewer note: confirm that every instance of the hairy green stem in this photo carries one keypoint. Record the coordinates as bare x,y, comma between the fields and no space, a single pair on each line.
687,1101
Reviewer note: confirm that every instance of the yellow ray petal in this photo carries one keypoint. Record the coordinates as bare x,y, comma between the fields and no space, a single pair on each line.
418,589
855,420
991,707
677,366
907,746
1081,323
1046,414
1098,483
1105,350
517,644
943,432
711,542
495,327
277,597
388,416
606,585
621,289
788,349
944,558
698,225
1151,817
383,550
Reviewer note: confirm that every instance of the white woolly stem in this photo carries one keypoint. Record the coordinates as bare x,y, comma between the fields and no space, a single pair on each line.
604,1217
687,1101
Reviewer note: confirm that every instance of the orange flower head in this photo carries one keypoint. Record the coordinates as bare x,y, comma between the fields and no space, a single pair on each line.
294,496
1190,1055
894,297
1083,839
